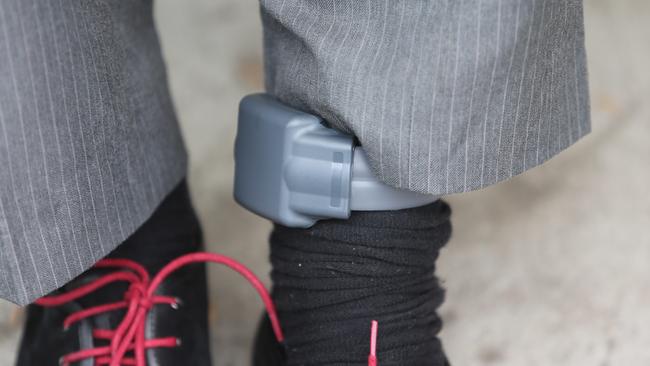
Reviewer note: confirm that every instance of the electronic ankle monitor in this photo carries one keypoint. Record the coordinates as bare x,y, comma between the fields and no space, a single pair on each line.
292,169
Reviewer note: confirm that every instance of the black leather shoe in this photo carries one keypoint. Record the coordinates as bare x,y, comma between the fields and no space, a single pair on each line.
173,325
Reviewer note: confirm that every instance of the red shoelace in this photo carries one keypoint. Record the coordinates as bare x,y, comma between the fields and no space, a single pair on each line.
372,357
127,343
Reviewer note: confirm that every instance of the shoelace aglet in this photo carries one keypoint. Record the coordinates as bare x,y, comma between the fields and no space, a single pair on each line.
372,357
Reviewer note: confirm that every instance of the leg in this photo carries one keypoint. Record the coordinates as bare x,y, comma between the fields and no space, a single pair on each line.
444,97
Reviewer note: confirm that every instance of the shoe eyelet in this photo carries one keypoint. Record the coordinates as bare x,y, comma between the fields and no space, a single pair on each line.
177,303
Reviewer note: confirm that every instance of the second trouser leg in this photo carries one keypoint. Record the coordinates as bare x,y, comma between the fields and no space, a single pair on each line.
444,96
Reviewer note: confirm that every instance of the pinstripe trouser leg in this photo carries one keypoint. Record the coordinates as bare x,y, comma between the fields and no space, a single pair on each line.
89,144
445,96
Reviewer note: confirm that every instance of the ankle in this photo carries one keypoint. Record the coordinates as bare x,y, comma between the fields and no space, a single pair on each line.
331,280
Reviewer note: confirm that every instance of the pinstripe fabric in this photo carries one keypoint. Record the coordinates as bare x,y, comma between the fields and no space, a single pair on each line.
89,144
445,96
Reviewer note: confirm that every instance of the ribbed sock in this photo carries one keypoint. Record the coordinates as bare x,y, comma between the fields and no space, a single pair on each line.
331,280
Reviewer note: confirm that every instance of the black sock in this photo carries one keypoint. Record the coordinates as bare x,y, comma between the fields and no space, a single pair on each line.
331,280
171,231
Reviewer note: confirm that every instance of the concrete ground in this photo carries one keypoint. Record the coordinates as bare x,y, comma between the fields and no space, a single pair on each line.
550,268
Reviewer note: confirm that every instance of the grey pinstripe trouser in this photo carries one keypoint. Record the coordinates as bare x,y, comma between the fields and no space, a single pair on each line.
446,96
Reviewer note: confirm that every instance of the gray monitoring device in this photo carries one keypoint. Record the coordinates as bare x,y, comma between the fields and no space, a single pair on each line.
293,170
